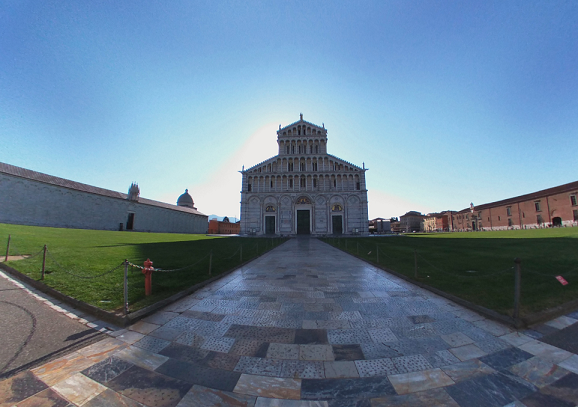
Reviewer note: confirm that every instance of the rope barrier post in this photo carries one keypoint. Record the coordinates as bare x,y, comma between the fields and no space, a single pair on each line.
43,262
126,287
517,286
415,261
210,261
7,249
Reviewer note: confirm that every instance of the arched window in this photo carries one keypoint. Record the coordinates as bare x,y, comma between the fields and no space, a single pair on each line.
302,167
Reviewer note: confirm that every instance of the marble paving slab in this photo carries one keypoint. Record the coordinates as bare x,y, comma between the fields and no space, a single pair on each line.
46,398
328,389
539,372
19,387
200,396
271,387
149,388
418,381
194,373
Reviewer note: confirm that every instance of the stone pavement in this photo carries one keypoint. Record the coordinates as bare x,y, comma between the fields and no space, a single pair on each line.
308,325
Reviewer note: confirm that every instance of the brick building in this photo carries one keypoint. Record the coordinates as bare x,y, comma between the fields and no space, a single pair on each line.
555,206
224,227
411,222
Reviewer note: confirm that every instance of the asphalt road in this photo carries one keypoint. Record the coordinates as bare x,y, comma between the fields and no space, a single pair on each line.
32,333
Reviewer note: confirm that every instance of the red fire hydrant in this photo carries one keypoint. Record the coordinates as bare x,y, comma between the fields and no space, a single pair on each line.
148,272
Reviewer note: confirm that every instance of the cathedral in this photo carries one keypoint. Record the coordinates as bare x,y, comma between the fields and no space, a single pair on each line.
303,190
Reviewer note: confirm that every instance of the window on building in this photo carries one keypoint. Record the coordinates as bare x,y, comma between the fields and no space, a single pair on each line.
358,186
575,215
271,183
302,166
499,218
488,218
334,183
537,206
314,182
249,187
292,149
302,184
314,166
509,222
290,182
573,200
290,167
316,149
287,149
509,211
539,219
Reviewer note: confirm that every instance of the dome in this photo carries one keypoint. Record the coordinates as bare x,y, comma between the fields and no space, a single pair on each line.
186,200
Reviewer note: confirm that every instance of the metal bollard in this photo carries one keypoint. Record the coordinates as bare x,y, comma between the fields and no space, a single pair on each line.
125,286
7,249
43,262
148,272
517,286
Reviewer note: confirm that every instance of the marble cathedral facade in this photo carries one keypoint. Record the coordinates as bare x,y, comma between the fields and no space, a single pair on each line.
303,189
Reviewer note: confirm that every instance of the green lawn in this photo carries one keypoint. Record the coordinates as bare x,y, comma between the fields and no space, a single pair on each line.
90,253
478,266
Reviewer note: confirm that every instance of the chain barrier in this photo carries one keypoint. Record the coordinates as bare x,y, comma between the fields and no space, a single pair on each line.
465,275
25,256
171,270
234,254
62,268
16,252
526,270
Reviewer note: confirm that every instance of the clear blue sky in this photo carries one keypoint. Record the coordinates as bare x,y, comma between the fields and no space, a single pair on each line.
446,102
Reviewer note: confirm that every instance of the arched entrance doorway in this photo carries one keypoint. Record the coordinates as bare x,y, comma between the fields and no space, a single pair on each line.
303,215
557,221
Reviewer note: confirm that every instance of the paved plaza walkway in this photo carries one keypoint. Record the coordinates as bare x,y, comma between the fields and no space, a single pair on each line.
308,325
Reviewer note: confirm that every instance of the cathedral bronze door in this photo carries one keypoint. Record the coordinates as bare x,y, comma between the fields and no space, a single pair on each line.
303,222
337,221
269,225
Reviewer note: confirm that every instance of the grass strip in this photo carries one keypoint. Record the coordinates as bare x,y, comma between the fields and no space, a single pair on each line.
478,266
84,264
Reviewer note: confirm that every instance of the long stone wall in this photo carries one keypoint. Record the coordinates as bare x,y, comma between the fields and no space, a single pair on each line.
30,202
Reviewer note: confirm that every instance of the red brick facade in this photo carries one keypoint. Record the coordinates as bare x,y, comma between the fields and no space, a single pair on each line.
556,206
225,227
